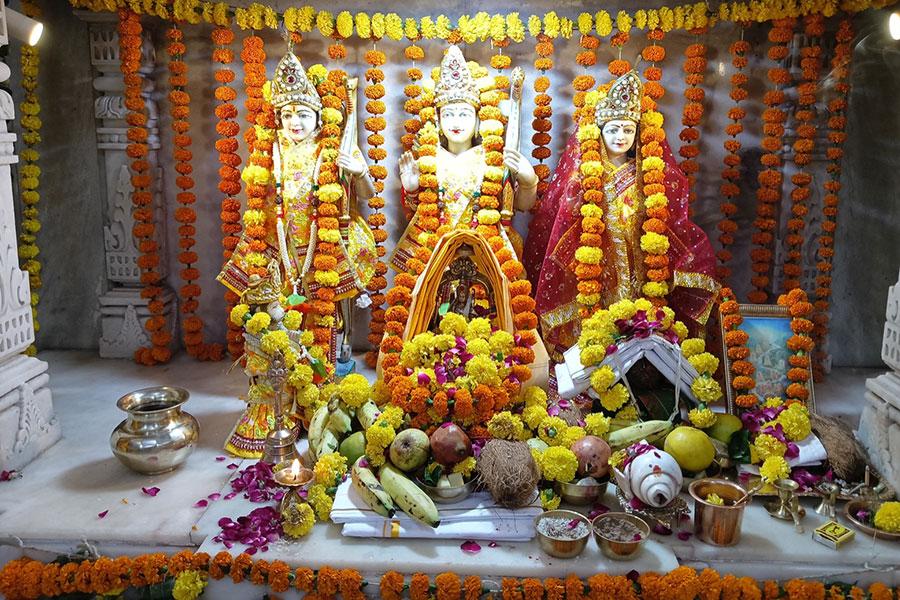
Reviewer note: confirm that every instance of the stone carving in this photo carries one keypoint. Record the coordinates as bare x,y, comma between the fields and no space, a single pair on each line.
130,335
110,107
121,253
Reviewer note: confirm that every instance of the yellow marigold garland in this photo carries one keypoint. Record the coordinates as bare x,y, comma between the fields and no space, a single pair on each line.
586,59
179,100
618,66
768,195
229,175
811,65
30,171
800,344
543,110
141,197
694,69
837,122
731,174
738,353
654,242
589,256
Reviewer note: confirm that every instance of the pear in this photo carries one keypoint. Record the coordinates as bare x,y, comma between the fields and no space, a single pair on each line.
353,447
409,450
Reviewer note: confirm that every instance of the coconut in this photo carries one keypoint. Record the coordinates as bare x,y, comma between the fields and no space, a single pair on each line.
847,457
509,472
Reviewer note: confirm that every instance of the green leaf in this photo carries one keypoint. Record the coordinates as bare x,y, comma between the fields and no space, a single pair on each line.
739,446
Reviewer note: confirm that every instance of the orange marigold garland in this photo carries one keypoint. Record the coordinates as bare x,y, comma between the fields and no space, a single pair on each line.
694,69
589,256
742,369
412,91
542,111
141,197
375,125
768,195
811,65
191,324
229,174
618,66
654,242
800,344
586,58
258,174
837,122
731,174
654,53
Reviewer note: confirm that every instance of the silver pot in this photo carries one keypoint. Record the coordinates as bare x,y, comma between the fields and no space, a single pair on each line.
157,436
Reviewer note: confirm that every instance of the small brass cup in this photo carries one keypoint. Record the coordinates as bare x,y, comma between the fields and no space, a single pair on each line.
718,525
618,549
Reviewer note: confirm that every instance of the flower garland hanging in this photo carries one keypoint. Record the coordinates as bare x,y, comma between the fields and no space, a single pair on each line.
837,122
586,59
654,242
229,175
811,65
30,171
694,69
375,124
191,324
731,174
141,197
412,91
589,256
543,110
257,175
618,66
800,344
768,196
738,353
654,53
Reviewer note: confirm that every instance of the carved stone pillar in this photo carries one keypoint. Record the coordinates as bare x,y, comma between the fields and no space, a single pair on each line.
28,425
123,311
879,424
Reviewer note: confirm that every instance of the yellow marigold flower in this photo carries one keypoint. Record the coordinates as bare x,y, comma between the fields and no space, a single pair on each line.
478,328
652,118
258,322
623,21
692,346
654,243
237,314
774,468
795,421
466,467
330,468
572,434
623,309
591,210
378,26
768,445
559,464
715,499
585,23
592,355
706,389
535,396
254,217
588,255
354,390
617,458
534,415
887,518
344,24
549,500
332,236
702,418
515,28
566,27
378,437
327,278
629,413
321,501
275,341
306,338
479,346
363,25
615,398
453,324
428,28
189,585
679,328
602,379
300,523
393,415
393,26
705,363
501,342
534,25
644,305
653,163
300,378
506,426
488,216
588,131
657,200
331,192
325,23
773,402
551,430
483,370
292,320
596,424
604,23
551,24
587,299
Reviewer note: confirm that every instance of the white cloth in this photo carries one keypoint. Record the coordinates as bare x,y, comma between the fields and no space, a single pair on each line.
811,453
476,517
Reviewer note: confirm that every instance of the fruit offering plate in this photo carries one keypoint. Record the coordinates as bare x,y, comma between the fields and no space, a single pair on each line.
850,511
667,516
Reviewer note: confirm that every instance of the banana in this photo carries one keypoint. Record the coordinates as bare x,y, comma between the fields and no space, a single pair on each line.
316,427
407,495
339,418
366,484
367,413
648,430
328,443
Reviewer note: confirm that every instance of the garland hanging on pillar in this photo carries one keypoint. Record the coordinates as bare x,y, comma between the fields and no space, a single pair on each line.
542,108
191,324
30,172
229,174
586,59
142,197
742,369
694,69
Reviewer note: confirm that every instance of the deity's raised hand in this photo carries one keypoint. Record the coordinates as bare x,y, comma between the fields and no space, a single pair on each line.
520,166
351,164
409,172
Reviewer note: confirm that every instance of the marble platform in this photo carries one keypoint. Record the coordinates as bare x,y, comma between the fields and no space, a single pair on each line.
53,508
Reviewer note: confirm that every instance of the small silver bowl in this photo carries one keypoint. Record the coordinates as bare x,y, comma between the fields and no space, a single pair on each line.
559,547
619,549
448,495
581,495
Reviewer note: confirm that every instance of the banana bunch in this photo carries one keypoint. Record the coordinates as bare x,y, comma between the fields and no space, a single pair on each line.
369,488
326,429
652,431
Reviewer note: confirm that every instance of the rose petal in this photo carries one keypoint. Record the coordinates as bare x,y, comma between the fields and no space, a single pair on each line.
203,503
661,529
684,535
573,523
470,547
220,458
103,514
230,495
492,545
214,496
150,491
232,466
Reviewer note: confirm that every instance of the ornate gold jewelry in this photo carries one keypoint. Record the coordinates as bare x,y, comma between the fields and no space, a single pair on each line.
456,83
623,101
291,85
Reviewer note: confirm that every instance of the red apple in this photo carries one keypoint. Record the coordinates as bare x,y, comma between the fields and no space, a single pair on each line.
450,444
593,456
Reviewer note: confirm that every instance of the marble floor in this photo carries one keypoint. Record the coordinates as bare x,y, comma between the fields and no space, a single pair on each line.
54,506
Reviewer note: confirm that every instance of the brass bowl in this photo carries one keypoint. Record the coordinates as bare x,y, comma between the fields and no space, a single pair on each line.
448,495
850,510
558,547
618,549
718,525
581,495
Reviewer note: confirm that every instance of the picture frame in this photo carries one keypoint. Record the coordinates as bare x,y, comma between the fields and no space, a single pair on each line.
768,327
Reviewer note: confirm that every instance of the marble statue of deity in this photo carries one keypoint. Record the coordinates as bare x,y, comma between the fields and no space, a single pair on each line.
555,232
460,162
296,163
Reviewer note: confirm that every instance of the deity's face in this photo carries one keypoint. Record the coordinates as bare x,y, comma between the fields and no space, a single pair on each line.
618,137
458,122
298,122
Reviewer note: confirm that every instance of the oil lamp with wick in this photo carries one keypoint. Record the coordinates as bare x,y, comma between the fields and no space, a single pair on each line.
296,478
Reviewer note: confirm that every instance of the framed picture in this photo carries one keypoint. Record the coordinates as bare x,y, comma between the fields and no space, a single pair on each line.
768,327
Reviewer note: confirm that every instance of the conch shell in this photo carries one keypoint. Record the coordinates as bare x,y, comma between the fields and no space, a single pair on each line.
652,477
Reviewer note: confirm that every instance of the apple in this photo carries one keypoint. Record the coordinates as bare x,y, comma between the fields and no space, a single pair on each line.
450,444
353,447
593,456
409,450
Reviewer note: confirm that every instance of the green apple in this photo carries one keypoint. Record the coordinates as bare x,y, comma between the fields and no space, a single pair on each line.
725,426
410,449
353,447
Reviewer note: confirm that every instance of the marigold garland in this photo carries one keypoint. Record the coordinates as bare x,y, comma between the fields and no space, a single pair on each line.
191,324
731,174
142,197
229,174
742,370
30,172
589,256
768,195
837,122
618,66
654,54
800,344
654,241
412,91
258,174
543,110
694,69
586,58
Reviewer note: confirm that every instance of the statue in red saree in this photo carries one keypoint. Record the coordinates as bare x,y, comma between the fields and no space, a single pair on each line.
555,232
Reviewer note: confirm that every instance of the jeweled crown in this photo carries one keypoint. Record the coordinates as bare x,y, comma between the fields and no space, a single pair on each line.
455,83
291,85
623,101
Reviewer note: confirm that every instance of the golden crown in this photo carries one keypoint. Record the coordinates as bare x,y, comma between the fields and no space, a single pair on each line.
291,85
623,101
455,83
